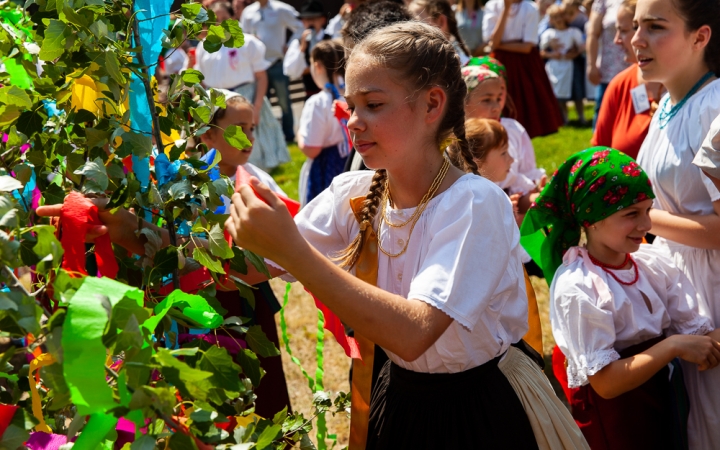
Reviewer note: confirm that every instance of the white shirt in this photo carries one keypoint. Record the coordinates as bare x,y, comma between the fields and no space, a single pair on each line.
594,317
176,61
230,67
523,171
560,71
294,63
708,157
269,24
463,258
318,126
260,175
521,24
334,26
667,155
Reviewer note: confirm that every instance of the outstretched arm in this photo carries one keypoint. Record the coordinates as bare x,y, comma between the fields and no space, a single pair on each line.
405,327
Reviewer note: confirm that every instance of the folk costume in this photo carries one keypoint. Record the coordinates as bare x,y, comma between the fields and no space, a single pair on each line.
600,314
676,135
489,392
527,82
234,69
708,158
319,127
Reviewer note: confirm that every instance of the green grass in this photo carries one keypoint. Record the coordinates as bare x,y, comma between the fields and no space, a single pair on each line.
550,152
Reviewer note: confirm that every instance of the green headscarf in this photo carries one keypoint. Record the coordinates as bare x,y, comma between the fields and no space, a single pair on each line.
489,63
589,186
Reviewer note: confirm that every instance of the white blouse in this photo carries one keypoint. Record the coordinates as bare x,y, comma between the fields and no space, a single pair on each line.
463,258
593,317
228,68
521,24
666,155
708,157
524,172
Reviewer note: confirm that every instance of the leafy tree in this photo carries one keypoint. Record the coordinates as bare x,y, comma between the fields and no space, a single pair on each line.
106,349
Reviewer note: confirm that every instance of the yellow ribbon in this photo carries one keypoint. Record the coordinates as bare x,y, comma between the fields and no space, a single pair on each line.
41,361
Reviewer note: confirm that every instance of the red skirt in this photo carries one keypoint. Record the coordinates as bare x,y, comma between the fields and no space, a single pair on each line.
648,416
529,89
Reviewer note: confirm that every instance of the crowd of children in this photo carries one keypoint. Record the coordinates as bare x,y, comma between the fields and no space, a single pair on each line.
423,257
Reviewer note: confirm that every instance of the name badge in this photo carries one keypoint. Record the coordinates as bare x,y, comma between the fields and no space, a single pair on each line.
640,99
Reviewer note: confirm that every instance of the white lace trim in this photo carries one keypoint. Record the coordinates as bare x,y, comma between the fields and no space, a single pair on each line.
585,366
698,326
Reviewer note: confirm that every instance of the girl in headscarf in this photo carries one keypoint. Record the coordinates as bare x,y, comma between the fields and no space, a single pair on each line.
620,320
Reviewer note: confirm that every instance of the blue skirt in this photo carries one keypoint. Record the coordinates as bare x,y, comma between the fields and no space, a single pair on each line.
324,168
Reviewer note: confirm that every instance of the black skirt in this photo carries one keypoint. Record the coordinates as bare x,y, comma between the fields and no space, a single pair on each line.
477,408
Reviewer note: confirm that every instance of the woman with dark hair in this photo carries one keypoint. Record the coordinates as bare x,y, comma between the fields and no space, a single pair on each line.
677,43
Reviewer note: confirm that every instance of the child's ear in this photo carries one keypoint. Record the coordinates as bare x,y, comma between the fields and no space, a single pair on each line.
435,100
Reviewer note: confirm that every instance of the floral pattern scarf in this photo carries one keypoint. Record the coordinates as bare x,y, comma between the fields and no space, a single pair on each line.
489,63
588,187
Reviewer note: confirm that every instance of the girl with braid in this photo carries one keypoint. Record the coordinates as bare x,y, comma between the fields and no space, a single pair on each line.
419,257
439,13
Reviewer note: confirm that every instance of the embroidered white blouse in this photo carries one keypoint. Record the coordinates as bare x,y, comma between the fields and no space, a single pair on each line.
521,25
463,258
593,317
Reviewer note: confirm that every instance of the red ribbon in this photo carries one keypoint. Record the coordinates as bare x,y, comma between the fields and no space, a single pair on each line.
6,414
77,216
336,327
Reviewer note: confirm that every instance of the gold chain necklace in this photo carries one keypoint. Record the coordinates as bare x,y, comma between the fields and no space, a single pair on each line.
418,211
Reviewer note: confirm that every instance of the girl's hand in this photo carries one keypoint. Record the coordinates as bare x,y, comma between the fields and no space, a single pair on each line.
263,228
701,350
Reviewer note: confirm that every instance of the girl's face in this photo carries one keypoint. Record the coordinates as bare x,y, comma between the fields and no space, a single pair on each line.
487,100
558,21
388,126
622,232
496,164
241,115
663,46
624,32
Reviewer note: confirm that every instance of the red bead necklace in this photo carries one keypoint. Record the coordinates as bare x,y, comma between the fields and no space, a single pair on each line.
607,268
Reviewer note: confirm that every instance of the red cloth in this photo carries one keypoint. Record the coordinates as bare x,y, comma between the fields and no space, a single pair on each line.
529,88
78,214
640,418
335,326
560,372
618,126
6,414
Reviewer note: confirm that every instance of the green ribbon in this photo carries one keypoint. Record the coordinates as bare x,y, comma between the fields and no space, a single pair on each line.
84,354
94,433
192,306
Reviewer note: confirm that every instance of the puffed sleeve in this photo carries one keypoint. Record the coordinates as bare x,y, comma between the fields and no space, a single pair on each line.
492,13
583,330
530,27
682,302
708,157
294,63
258,63
327,222
473,255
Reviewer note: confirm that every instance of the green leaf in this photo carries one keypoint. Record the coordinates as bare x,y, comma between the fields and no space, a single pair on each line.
259,342
268,435
190,381
225,371
113,67
96,138
191,11
181,441
236,34
47,245
180,190
140,144
251,366
54,195
9,184
215,35
201,256
8,115
201,114
234,136
218,245
14,96
237,263
96,179
164,262
258,262
53,45
99,29
192,76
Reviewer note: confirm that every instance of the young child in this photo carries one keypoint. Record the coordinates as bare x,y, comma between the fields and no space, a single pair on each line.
619,319
439,13
560,44
486,99
320,135
511,29
488,142
440,245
